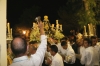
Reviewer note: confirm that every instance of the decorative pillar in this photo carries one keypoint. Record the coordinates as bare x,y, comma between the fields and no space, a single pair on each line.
3,49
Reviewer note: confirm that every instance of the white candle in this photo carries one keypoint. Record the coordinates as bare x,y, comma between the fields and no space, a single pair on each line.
89,29
52,25
85,29
8,25
57,26
57,22
61,27
11,32
33,25
94,31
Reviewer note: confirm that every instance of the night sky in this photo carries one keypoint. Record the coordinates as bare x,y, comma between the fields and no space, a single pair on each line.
15,8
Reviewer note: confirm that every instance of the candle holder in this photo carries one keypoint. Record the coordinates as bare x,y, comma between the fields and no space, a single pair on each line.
50,30
9,36
91,30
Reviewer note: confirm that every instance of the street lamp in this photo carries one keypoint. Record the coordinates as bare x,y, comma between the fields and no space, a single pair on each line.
24,32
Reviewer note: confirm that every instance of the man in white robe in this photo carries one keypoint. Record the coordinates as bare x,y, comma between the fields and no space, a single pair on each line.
67,53
59,44
96,46
89,55
56,59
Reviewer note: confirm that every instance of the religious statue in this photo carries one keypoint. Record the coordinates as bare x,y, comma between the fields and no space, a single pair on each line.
35,35
47,26
49,29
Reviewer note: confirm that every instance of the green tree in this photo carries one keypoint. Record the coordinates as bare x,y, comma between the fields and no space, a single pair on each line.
86,13
77,13
97,11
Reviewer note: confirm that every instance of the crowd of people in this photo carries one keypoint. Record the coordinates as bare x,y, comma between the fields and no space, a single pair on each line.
68,51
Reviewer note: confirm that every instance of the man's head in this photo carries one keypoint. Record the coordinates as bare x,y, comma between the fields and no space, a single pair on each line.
64,39
93,40
79,42
33,45
55,40
19,46
53,49
86,42
64,44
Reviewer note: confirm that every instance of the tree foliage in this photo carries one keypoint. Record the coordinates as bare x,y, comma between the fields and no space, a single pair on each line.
86,13
77,13
97,11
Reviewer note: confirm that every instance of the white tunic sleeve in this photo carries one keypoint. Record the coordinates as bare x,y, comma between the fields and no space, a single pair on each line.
38,57
83,58
71,53
87,57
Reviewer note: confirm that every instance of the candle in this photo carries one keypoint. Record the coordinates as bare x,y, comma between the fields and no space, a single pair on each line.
94,31
33,25
89,29
8,25
11,32
57,26
61,27
85,29
57,22
52,25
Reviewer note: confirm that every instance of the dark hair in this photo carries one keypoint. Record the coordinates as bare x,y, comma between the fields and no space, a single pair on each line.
88,40
34,48
54,48
64,38
33,42
93,37
63,43
48,44
21,49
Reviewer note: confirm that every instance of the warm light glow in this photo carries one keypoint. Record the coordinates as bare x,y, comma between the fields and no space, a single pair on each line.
24,32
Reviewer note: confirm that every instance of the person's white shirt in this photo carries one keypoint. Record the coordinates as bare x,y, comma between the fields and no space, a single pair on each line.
35,59
98,43
57,60
82,48
68,52
96,57
60,47
87,57
97,48
47,54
